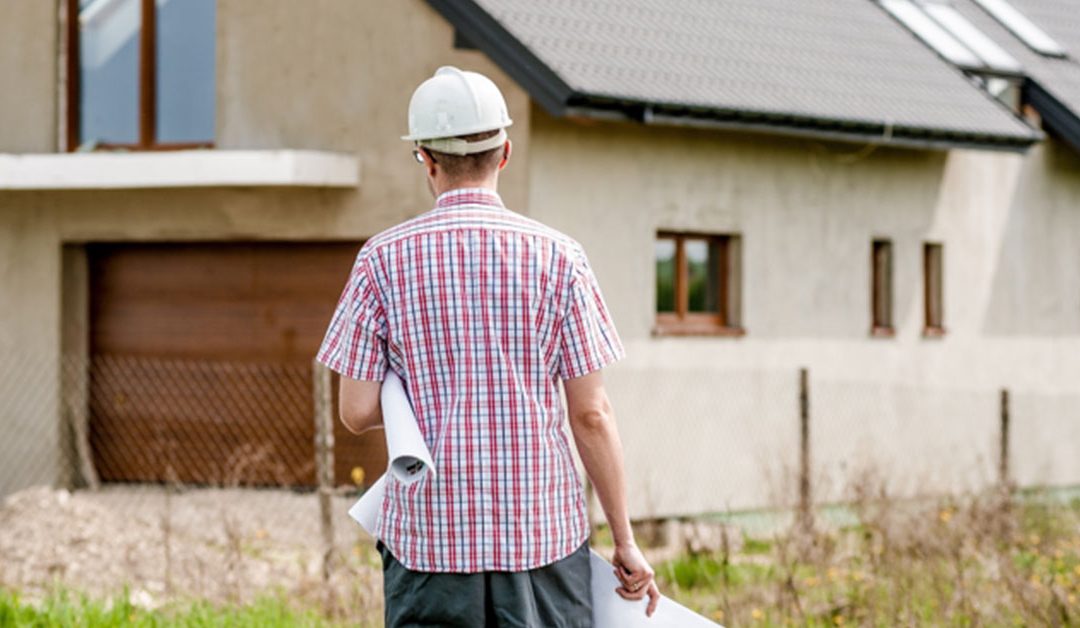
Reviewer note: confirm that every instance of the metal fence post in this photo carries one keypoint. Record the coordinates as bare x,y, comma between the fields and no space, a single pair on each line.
324,464
805,514
1003,453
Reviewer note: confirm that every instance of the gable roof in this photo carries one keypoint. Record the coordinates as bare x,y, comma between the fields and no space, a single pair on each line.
1053,85
830,68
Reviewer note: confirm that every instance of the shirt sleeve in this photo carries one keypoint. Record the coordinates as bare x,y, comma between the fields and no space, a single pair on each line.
355,342
589,339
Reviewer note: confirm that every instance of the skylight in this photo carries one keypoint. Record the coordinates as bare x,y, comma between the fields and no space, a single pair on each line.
985,48
932,33
1026,30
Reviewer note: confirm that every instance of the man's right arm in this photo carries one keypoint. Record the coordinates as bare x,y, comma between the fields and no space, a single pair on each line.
592,421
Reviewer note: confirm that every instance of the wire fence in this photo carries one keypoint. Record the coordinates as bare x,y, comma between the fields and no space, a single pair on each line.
222,480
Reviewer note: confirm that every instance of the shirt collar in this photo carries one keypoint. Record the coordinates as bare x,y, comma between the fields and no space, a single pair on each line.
468,196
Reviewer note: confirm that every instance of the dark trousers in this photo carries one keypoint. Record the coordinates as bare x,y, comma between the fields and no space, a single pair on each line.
553,596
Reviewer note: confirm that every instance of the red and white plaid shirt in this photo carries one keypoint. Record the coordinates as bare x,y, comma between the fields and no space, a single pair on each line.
482,312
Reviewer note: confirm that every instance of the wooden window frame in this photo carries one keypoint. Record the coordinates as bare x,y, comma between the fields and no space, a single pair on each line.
725,322
933,282
880,328
147,85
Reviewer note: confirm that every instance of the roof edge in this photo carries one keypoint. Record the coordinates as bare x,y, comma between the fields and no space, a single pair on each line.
869,132
1056,115
512,56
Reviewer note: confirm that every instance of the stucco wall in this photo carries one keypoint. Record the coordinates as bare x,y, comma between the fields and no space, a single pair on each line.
922,412
28,65
334,75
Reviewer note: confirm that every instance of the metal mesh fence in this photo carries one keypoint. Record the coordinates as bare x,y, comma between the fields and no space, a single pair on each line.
223,480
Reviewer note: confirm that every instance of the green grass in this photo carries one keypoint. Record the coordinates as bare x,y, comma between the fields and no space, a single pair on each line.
65,609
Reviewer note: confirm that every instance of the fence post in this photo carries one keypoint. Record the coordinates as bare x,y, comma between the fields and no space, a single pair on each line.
1003,453
805,513
324,465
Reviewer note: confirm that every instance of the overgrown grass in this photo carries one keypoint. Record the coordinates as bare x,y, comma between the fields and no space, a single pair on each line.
64,608
980,561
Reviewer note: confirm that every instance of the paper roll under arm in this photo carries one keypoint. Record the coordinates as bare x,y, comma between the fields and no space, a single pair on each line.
409,456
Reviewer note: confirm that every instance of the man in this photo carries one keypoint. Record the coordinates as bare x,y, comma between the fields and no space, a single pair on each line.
482,312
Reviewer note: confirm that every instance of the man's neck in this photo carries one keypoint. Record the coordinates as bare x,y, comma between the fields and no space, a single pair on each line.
487,184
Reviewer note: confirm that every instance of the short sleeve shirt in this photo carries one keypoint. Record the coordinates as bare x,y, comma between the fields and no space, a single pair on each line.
481,312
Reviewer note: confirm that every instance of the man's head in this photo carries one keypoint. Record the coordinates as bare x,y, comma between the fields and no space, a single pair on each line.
457,121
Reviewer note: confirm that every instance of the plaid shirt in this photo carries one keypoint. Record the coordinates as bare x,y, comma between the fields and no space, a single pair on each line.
482,312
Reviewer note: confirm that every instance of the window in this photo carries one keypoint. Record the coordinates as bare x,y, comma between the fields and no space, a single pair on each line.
932,289
951,35
881,288
141,73
698,285
1024,29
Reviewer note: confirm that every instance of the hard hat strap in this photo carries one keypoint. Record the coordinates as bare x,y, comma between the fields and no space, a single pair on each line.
458,146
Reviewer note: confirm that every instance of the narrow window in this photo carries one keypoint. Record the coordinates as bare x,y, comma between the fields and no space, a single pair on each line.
698,284
881,288
141,73
933,262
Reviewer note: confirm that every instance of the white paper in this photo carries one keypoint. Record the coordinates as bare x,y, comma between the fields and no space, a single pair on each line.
408,453
611,611
405,443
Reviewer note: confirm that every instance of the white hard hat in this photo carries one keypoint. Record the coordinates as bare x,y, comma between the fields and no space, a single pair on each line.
453,103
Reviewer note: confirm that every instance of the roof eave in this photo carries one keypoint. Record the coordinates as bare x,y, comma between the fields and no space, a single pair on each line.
1056,115
862,132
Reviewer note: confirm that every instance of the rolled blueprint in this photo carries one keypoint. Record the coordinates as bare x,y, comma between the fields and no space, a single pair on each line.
408,453
405,445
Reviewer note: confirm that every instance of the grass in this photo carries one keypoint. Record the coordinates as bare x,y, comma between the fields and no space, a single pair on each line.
64,608
979,561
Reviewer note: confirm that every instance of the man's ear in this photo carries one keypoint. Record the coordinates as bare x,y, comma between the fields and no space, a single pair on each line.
507,149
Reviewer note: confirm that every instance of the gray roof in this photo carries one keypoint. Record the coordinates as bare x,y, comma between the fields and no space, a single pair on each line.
1057,78
836,67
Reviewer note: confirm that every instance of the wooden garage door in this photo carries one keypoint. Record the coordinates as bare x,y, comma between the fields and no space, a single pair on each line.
201,362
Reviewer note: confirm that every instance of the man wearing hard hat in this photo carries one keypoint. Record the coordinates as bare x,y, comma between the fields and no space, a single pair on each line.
483,312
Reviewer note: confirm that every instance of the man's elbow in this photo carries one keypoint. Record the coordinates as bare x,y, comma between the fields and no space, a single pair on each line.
593,419
358,419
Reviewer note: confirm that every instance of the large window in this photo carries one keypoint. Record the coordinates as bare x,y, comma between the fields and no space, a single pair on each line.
141,73
698,284
933,263
881,288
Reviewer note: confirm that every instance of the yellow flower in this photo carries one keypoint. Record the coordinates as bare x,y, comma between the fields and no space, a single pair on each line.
812,581
357,475
945,515
718,614
757,614
1076,570
261,533
833,574
838,620
1071,599
1034,539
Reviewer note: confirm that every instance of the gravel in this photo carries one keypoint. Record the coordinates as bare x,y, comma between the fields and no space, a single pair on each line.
221,545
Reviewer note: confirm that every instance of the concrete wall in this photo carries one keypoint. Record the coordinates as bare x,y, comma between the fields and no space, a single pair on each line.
332,74
337,74
28,66
919,411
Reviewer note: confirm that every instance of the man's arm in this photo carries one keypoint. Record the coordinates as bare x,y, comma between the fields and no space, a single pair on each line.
592,421
359,404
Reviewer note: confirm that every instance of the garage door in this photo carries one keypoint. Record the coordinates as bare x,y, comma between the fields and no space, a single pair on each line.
201,362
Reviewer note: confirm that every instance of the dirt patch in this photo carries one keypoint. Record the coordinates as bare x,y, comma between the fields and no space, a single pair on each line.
222,545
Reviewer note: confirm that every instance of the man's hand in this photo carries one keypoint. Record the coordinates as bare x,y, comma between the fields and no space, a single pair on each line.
636,576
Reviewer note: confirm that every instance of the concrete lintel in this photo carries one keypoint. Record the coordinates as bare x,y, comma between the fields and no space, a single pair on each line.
178,169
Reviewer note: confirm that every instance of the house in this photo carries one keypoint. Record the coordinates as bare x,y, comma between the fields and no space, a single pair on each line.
761,186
